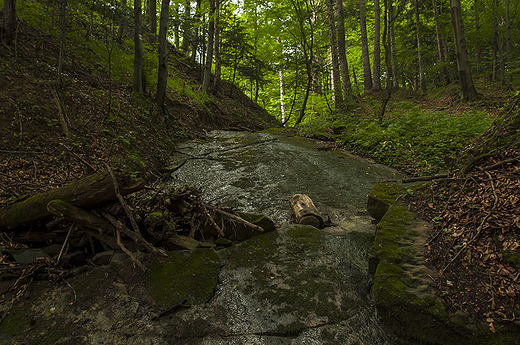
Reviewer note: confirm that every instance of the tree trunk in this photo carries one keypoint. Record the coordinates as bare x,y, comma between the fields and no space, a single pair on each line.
343,63
393,50
478,49
467,90
444,69
195,40
282,96
387,45
152,18
497,46
9,21
422,81
186,27
338,95
377,46
367,74
63,30
305,212
138,49
209,50
162,74
218,63
508,45
86,192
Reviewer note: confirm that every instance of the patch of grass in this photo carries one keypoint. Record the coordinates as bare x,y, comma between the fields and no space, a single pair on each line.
411,137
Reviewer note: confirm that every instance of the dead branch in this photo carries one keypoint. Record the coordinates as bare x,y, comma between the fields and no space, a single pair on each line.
237,218
129,253
210,218
79,158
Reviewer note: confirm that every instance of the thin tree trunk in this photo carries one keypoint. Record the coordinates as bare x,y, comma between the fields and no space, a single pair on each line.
152,18
282,95
195,41
343,63
444,69
63,29
467,89
186,27
338,95
218,63
9,21
367,74
497,51
387,45
393,50
422,81
508,45
162,74
138,49
209,50
478,49
377,46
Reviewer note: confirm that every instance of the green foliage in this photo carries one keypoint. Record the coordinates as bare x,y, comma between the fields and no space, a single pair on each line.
411,138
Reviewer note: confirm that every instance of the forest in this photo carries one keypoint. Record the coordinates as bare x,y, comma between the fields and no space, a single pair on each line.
107,106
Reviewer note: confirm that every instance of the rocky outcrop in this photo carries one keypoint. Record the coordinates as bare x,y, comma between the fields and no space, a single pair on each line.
404,287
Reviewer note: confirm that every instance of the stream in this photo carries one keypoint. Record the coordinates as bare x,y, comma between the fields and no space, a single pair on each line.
295,285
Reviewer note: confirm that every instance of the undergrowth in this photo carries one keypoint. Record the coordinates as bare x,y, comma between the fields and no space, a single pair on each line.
412,136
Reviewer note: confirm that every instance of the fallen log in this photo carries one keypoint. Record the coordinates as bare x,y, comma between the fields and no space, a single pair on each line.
85,192
304,211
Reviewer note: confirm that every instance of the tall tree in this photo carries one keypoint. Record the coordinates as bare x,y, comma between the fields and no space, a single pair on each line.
377,46
218,62
498,61
478,49
306,28
393,49
422,81
338,96
9,21
138,48
508,45
195,41
343,63
282,95
152,18
467,89
367,74
388,18
186,27
444,69
63,31
209,50
162,74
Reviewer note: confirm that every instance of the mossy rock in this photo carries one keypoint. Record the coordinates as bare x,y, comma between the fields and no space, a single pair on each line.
383,194
184,278
403,290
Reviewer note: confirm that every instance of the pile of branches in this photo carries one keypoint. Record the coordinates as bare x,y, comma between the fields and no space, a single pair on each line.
476,238
89,220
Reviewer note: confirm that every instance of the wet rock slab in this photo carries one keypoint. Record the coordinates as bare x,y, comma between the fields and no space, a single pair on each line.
293,285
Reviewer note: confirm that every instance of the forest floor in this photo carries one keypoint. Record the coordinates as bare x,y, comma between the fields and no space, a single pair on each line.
476,236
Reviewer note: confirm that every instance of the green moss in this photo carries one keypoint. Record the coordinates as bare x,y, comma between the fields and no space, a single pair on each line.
381,196
306,237
184,278
513,258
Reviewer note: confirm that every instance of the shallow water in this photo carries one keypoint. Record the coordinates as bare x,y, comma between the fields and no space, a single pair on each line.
288,294
259,172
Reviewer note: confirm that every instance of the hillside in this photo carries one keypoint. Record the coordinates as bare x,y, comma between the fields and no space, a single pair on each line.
50,136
